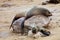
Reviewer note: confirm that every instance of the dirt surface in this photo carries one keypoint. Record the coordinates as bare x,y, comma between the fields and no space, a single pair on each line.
8,12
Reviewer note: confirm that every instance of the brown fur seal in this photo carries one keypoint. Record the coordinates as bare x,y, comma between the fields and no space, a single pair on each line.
51,1
38,11
54,1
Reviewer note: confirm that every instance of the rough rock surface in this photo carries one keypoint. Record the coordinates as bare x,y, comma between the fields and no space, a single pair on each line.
38,20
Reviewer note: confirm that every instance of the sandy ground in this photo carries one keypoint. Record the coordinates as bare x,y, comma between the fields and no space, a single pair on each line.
7,14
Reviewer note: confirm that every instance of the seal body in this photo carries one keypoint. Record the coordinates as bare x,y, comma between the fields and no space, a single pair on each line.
51,1
38,11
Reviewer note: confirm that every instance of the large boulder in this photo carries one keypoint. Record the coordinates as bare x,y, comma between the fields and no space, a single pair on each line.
38,20
54,1
38,23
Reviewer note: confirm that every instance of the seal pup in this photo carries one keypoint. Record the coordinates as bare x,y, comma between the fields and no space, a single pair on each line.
38,11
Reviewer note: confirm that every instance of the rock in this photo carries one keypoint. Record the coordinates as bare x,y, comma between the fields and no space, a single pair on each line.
39,21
